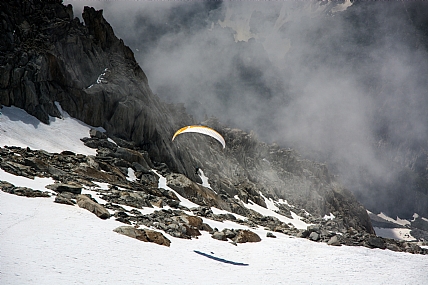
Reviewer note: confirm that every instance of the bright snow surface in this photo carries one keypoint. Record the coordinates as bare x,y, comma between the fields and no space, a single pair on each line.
42,242
47,243
18,128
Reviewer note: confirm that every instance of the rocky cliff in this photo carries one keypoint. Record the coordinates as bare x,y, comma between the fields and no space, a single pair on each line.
48,56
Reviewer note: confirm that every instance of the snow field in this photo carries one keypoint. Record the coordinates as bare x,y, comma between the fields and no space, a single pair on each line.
47,243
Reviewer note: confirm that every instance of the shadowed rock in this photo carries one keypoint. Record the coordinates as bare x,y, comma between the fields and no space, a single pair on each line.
62,187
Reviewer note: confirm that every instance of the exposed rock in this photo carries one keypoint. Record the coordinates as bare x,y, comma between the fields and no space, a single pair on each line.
244,236
376,242
144,235
85,202
333,241
133,156
207,228
270,235
99,143
174,222
194,192
314,236
219,236
62,187
66,198
24,191
193,221
94,133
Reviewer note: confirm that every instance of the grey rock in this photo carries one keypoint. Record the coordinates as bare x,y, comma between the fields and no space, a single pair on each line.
229,233
314,236
219,236
376,242
97,134
333,241
64,200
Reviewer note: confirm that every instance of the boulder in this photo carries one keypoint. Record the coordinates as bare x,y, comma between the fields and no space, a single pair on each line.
65,198
244,236
85,202
314,236
334,241
145,235
36,163
229,233
193,221
206,227
94,133
376,242
219,236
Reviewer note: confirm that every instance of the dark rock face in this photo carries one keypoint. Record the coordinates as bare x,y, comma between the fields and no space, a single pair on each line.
46,56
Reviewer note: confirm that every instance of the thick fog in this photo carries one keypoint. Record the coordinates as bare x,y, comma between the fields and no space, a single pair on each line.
343,83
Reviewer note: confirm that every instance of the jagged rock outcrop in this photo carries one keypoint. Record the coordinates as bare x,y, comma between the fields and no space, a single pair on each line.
47,56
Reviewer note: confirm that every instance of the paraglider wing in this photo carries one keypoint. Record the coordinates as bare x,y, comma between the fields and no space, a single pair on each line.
202,130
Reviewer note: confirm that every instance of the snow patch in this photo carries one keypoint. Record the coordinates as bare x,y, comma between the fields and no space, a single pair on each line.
18,128
270,203
329,217
131,175
100,78
395,233
102,185
396,221
296,220
205,182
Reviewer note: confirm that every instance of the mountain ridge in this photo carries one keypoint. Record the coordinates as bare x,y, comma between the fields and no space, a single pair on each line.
95,78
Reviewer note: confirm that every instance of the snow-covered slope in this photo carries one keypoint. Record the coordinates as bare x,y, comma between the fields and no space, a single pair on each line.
48,243
18,128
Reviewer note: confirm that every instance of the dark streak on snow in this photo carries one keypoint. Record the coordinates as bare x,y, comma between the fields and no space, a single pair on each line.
220,259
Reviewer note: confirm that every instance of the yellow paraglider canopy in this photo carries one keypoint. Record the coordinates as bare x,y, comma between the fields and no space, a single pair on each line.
202,130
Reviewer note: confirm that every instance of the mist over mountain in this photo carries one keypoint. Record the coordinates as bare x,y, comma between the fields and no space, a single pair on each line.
342,82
